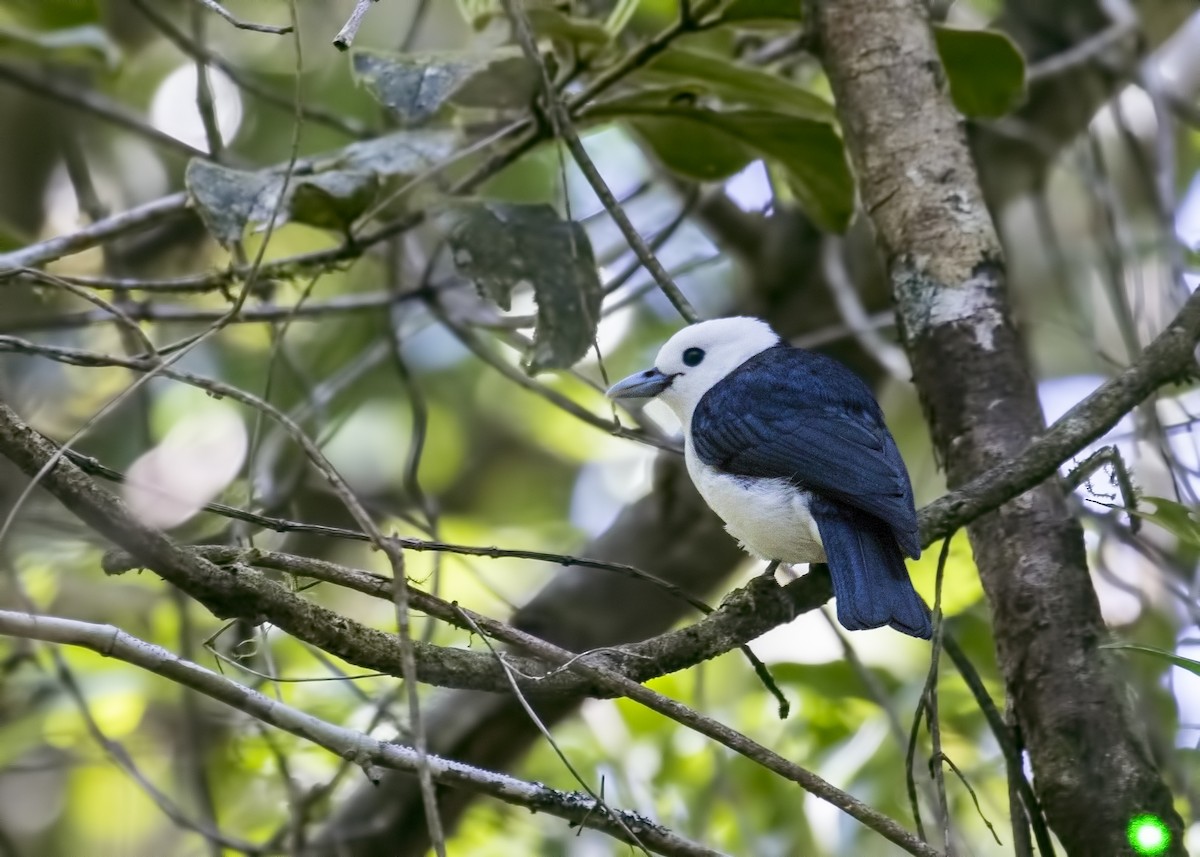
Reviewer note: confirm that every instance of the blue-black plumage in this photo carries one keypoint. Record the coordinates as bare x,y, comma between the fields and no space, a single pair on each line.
790,449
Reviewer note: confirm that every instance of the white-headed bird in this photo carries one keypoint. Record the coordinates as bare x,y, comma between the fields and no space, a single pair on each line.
790,449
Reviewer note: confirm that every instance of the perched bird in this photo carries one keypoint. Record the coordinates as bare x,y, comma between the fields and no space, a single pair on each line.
790,449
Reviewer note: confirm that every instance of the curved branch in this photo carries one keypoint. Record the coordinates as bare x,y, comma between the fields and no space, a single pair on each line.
364,750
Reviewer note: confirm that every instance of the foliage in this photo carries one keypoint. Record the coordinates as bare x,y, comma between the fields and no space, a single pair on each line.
426,285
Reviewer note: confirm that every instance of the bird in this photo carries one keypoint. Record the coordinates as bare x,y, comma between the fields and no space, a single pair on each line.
789,447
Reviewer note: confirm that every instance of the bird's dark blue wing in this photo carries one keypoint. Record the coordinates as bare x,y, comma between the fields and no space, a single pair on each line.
798,415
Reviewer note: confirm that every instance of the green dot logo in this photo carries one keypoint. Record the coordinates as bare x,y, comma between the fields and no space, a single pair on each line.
1149,835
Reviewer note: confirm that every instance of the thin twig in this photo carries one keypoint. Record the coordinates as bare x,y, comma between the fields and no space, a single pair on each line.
176,313
100,106
244,80
541,727
1091,49
214,6
346,743
115,751
931,705
345,37
889,356
1109,456
974,797
560,119
205,103
1018,782
910,779
114,226
472,342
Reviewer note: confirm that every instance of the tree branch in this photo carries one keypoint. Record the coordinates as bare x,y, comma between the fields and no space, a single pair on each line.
364,750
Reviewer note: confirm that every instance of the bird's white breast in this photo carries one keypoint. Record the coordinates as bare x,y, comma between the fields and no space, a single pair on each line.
769,517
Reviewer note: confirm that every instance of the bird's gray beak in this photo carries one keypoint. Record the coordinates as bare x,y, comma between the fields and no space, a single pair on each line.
640,385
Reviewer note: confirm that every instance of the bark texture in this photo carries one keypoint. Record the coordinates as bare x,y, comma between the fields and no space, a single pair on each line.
1093,772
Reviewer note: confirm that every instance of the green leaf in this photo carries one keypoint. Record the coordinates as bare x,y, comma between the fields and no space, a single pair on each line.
228,200
50,14
702,156
620,16
704,143
554,24
416,86
501,247
985,69
333,200
749,10
1177,519
737,84
404,153
1162,654
331,197
85,45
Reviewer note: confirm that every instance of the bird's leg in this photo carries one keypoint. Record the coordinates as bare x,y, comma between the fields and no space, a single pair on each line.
772,567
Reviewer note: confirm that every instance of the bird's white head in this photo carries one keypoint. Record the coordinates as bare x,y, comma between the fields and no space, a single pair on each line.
695,359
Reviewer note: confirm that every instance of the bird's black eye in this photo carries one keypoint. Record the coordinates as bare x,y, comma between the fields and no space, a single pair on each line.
693,356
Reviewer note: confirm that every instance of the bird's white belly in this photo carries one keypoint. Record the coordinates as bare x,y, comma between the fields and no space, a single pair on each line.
769,517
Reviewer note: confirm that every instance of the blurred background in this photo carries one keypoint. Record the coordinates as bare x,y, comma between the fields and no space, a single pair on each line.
1086,127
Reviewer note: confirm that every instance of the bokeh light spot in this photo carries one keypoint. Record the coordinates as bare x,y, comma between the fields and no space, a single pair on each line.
1149,835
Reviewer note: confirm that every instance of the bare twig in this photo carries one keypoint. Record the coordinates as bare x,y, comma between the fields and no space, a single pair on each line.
89,236
345,37
99,106
243,79
1092,49
205,103
889,356
931,702
171,313
214,6
560,119
541,727
1013,762
346,743
115,751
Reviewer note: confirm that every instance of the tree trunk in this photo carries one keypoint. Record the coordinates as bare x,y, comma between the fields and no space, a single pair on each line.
1093,772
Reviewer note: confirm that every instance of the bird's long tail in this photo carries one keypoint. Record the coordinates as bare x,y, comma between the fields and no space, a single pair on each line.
870,581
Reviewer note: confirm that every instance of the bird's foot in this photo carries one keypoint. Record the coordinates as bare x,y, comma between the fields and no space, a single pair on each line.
770,570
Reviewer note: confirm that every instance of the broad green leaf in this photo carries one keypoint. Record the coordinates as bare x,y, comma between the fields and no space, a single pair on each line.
228,200
331,197
502,247
704,143
1161,654
702,156
749,10
1177,519
332,200
415,86
737,84
985,69
86,44
404,153
508,79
